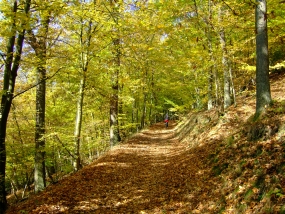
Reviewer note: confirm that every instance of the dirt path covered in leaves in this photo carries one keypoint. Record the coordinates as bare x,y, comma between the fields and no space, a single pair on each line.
150,173
203,165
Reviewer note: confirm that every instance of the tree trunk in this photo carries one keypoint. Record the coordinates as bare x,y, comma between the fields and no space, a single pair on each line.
143,109
114,98
210,74
153,99
233,91
10,72
40,178
78,123
263,94
40,49
210,88
39,45
39,174
5,108
225,62
84,60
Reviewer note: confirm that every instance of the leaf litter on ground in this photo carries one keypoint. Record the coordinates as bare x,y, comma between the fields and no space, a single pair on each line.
207,165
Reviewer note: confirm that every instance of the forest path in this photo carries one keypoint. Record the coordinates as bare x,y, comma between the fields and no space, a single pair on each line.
149,173
205,166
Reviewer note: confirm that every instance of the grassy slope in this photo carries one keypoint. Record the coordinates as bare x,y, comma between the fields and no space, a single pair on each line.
214,165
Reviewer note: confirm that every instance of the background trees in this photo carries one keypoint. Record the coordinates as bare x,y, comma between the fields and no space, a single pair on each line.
126,60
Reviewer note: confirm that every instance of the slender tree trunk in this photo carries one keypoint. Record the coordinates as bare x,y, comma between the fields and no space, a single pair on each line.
145,95
210,74
233,91
135,113
143,110
114,98
84,59
10,72
263,94
227,85
78,124
40,173
198,98
114,109
210,88
150,118
225,62
152,111
218,90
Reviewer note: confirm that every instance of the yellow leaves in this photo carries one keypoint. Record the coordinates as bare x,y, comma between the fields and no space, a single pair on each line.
196,211
160,26
278,66
249,68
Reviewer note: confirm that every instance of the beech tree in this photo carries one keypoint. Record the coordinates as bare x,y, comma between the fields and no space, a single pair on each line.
39,44
211,56
40,39
263,94
85,57
115,69
83,25
225,61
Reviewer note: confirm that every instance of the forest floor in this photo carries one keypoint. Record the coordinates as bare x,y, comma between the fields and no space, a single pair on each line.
204,164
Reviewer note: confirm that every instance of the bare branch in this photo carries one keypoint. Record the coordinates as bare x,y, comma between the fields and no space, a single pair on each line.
234,12
56,136
49,77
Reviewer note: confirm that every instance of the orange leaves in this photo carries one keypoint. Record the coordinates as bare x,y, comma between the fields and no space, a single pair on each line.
216,171
149,174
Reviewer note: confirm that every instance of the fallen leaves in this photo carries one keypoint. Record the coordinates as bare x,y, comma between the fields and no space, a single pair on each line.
148,174
213,170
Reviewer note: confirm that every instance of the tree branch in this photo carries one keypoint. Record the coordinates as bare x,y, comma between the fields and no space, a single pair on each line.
56,136
234,12
49,77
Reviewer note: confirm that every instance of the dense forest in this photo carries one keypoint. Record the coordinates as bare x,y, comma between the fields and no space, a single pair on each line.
80,76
